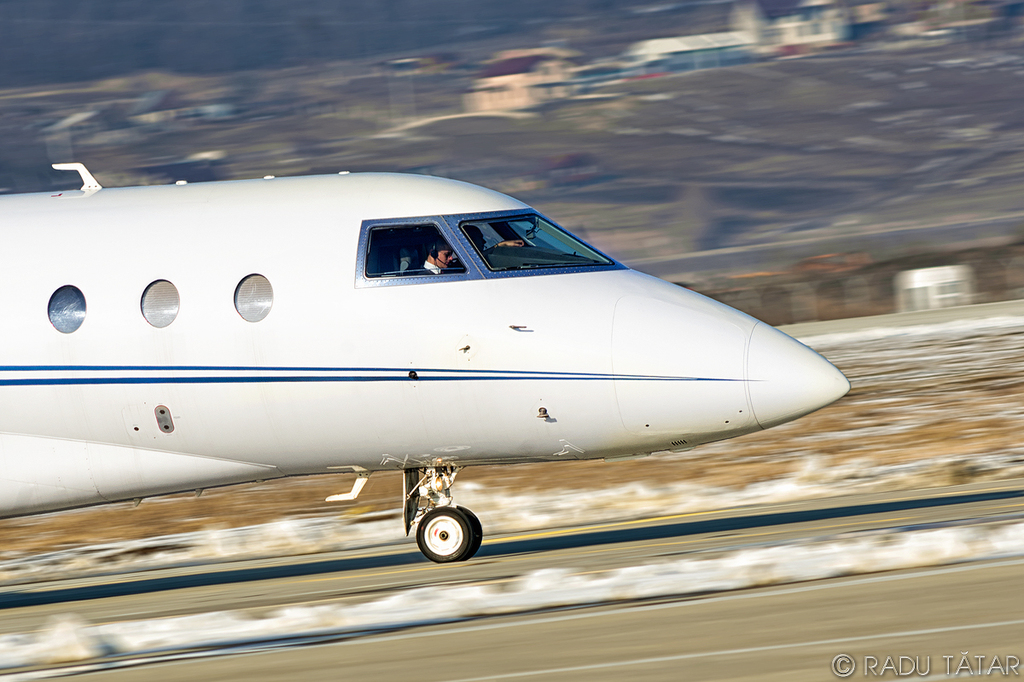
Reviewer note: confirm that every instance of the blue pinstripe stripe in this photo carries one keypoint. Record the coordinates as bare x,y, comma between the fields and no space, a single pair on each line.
334,375
98,381
246,368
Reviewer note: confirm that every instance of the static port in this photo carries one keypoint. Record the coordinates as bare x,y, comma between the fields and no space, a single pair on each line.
163,418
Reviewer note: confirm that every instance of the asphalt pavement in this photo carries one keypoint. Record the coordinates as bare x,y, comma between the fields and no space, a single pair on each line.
927,621
788,632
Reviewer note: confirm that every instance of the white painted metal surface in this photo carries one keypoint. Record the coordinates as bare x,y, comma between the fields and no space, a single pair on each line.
340,376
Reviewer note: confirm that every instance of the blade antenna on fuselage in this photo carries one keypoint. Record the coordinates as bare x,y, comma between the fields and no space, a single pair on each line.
89,183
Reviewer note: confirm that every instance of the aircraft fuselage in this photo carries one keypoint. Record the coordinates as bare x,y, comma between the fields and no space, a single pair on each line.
356,363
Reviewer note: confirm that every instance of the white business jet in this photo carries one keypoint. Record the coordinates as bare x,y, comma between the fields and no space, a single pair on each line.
175,338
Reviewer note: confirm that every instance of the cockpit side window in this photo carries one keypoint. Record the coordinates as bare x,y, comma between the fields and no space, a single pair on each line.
527,242
410,250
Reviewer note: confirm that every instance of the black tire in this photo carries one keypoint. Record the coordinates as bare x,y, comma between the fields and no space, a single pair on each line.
445,534
478,532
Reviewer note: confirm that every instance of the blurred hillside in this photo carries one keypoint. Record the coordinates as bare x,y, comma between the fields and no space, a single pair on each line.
46,41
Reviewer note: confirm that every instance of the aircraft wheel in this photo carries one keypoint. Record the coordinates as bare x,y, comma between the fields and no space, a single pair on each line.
478,532
445,534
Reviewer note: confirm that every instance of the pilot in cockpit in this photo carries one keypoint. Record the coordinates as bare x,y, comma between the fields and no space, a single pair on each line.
439,257
476,236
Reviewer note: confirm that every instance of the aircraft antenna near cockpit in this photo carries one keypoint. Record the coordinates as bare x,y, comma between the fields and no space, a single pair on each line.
89,183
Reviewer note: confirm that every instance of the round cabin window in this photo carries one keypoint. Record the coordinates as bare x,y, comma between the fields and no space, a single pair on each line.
67,309
160,303
253,298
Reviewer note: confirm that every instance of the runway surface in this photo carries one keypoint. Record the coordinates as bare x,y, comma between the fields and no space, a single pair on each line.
791,633
785,632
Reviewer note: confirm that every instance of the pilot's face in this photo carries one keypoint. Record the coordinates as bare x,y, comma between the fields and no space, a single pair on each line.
444,257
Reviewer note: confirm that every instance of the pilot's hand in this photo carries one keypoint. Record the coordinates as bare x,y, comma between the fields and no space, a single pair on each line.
512,242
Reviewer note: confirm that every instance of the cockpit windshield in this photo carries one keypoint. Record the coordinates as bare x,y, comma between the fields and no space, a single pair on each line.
526,242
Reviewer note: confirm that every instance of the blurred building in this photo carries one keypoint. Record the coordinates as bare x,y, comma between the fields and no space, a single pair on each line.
959,20
687,53
930,288
598,74
517,79
780,27
866,18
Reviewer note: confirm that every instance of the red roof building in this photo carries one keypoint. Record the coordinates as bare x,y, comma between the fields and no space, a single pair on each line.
518,82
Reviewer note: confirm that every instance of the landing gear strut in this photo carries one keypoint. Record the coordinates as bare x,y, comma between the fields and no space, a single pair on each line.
444,532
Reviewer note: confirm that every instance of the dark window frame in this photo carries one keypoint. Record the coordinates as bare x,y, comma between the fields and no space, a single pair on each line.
471,268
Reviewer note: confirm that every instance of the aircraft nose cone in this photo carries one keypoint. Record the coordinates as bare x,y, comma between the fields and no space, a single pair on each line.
787,379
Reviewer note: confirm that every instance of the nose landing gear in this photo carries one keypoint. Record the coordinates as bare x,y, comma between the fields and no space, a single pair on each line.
445,532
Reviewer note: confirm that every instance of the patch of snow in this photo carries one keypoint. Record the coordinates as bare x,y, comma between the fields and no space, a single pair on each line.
955,328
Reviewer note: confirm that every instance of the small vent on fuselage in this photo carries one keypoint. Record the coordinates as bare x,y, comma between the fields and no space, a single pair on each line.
677,443
163,418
